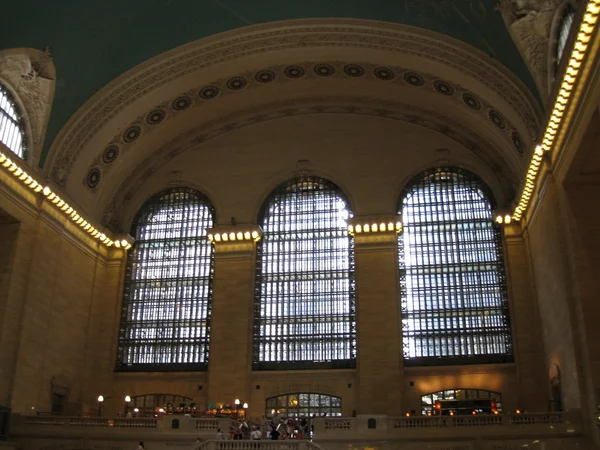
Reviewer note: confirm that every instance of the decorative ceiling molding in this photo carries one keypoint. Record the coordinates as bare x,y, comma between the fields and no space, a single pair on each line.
194,57
488,151
204,96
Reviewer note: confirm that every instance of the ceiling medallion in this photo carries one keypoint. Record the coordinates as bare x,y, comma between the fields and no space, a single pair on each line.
471,101
237,83
443,87
93,177
354,70
294,72
132,133
155,117
209,92
383,73
110,154
181,103
265,76
324,70
414,79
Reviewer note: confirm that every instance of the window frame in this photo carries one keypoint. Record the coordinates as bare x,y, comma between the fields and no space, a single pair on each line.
8,99
204,249
451,315
258,339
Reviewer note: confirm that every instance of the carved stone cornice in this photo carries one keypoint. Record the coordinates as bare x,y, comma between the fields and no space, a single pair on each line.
166,68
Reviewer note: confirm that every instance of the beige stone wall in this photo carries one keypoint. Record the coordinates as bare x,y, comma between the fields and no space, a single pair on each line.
46,301
553,284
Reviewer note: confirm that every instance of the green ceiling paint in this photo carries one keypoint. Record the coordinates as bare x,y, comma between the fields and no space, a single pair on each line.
95,41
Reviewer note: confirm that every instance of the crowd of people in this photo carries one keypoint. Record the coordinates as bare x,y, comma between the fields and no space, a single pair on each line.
273,429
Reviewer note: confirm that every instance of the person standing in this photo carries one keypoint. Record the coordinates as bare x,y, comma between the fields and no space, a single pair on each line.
141,446
274,434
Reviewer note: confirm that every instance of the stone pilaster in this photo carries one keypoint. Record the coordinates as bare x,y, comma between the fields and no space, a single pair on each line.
230,362
379,329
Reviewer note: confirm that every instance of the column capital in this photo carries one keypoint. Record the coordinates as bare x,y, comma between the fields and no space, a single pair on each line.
234,238
375,231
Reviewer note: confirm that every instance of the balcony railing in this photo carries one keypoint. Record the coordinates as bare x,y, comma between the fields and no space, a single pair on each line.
459,432
503,425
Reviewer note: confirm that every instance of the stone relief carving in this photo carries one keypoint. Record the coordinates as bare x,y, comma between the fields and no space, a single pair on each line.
529,22
147,123
33,80
169,67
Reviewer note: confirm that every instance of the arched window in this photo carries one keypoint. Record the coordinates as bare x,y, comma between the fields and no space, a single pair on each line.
453,287
467,401
12,132
150,404
566,22
304,309
303,405
168,288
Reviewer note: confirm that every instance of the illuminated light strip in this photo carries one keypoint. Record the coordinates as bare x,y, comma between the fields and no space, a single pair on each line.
374,227
234,236
30,182
587,27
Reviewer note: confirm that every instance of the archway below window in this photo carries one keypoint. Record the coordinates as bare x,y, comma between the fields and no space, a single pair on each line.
307,404
428,401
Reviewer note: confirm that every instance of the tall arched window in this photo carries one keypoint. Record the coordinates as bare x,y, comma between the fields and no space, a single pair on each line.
564,28
168,288
304,313
453,286
12,131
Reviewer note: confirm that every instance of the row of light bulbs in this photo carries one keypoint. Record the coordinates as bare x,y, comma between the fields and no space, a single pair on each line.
584,35
234,236
29,181
375,228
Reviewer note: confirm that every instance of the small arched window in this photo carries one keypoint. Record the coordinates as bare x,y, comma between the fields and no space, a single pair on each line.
168,285
564,29
304,313
305,405
453,287
460,402
12,131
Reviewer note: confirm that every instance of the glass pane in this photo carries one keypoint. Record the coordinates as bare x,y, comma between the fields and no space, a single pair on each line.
166,305
12,133
454,300
305,313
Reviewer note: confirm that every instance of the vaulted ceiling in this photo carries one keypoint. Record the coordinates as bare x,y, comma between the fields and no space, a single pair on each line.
93,42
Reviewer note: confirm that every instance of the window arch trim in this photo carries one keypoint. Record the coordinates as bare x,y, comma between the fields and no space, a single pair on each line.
180,293
260,323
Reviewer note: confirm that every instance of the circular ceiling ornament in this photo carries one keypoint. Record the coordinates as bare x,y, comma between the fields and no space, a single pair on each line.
443,88
354,70
181,103
110,153
236,83
414,79
517,141
93,177
155,117
209,92
324,70
265,76
383,73
471,101
294,72
132,133
497,119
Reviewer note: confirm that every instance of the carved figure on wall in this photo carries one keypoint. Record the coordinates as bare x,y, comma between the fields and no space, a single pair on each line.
529,22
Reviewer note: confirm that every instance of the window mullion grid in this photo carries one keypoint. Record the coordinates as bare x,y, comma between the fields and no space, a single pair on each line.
448,301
